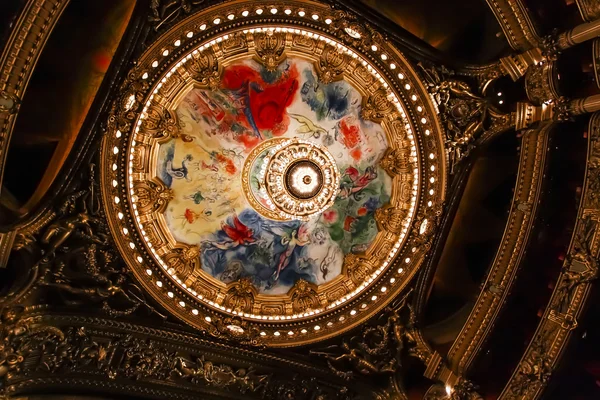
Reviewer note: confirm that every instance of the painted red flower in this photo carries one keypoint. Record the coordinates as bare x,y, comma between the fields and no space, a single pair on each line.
350,132
230,167
249,141
361,211
348,222
330,216
189,215
268,106
356,154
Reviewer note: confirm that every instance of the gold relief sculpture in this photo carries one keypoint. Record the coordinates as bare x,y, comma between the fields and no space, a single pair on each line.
349,30
377,106
183,259
152,196
139,158
390,219
365,77
396,161
235,328
359,268
304,297
305,44
269,47
406,187
205,69
541,82
272,309
331,65
378,349
207,292
160,123
235,44
170,88
240,296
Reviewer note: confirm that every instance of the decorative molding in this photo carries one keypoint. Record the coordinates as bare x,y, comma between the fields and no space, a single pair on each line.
596,60
18,60
40,352
514,240
589,9
541,83
572,288
516,23
468,117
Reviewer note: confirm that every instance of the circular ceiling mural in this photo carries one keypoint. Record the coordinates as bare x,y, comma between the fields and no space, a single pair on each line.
266,178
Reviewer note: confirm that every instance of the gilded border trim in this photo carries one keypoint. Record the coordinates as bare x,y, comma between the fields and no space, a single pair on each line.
516,23
554,331
503,270
19,58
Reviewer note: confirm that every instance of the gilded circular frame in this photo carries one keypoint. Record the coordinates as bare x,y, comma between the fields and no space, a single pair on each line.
341,47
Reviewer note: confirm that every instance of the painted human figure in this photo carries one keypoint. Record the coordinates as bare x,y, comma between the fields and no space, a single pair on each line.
292,242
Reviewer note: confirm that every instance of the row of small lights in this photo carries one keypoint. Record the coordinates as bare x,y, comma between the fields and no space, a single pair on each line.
413,155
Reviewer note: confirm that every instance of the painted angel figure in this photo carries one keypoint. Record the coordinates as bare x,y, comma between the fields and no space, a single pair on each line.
297,238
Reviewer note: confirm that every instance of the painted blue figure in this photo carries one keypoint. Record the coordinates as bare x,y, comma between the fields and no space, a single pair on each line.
179,173
242,98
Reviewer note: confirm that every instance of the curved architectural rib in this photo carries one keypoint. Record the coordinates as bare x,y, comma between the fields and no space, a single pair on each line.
518,27
572,288
19,58
502,272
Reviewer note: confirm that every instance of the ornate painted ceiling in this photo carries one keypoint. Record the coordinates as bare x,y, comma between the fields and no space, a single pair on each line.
269,176
299,200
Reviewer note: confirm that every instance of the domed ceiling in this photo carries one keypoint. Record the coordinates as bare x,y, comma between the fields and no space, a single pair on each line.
274,173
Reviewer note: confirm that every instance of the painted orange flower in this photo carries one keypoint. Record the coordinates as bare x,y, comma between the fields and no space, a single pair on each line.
189,215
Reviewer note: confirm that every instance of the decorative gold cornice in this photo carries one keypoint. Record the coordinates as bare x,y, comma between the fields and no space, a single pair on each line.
503,269
516,23
572,288
589,9
19,58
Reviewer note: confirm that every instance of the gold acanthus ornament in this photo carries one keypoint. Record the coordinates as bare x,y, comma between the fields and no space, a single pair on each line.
240,297
390,219
152,196
359,268
304,297
270,48
396,161
183,260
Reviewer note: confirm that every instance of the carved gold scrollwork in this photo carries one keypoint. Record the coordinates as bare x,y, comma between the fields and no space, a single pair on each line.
589,9
396,161
183,259
205,69
349,30
304,43
304,297
332,64
359,268
160,123
376,106
269,47
240,296
235,44
541,82
152,196
390,219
